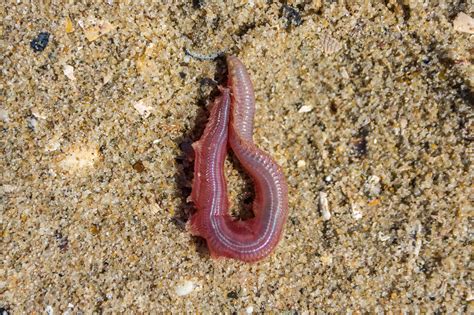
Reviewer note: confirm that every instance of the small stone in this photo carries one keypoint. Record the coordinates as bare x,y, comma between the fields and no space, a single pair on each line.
292,15
328,179
184,288
39,43
249,309
138,166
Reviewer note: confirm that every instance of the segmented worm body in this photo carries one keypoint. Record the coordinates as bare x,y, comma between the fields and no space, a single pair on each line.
231,123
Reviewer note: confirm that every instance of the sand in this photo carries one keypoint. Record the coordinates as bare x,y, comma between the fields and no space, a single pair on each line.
367,106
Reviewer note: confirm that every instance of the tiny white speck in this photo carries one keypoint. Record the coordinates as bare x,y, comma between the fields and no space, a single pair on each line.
328,179
249,310
49,310
184,288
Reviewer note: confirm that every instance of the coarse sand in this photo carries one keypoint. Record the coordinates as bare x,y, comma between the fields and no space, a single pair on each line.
367,106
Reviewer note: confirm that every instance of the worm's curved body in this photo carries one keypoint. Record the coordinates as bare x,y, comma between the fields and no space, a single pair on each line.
231,122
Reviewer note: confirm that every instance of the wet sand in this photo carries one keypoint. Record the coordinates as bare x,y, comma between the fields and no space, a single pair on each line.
367,106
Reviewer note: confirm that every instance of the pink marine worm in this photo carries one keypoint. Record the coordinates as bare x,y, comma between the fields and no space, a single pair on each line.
231,124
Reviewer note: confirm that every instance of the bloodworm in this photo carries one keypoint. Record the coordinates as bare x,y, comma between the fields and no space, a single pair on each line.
231,123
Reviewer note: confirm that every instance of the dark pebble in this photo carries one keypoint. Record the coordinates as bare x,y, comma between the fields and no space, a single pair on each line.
40,42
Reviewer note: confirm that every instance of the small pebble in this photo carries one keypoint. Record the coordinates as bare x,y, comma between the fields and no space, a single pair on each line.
39,43
249,310
301,164
292,15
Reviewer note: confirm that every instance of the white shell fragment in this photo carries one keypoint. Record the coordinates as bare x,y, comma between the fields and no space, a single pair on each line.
69,72
4,115
143,108
184,288
329,45
53,145
464,23
81,156
305,109
324,206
